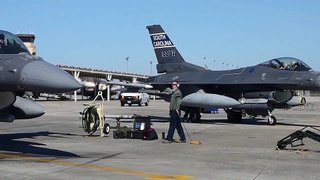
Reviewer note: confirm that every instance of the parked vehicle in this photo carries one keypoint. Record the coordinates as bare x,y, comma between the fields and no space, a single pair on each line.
134,98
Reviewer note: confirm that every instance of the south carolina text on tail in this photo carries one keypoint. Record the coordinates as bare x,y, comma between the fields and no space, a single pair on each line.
169,58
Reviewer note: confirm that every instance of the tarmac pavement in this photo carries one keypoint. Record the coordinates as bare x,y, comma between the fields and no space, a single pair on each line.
55,146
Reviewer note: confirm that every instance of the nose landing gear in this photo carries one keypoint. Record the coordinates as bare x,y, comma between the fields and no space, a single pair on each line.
272,120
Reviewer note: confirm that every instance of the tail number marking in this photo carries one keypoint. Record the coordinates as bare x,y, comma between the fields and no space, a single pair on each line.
168,54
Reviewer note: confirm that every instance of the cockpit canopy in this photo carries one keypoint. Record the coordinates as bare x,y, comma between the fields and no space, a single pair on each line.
11,44
287,63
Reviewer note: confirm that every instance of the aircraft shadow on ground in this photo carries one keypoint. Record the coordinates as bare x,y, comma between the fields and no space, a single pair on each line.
11,143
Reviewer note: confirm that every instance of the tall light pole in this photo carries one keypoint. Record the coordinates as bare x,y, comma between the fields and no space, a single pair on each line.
150,68
204,61
214,64
127,59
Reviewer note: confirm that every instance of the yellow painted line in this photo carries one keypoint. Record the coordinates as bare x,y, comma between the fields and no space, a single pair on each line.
150,176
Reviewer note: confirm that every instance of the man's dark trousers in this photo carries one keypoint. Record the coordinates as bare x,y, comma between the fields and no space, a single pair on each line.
175,123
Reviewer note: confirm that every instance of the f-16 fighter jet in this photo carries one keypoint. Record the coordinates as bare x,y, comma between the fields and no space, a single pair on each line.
20,72
256,90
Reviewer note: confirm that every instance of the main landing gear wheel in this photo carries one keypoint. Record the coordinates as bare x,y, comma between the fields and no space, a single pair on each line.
272,120
195,116
234,116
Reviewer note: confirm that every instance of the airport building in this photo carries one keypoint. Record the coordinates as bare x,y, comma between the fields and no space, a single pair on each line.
28,40
85,74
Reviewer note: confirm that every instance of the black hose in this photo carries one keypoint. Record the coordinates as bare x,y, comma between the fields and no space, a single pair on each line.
90,120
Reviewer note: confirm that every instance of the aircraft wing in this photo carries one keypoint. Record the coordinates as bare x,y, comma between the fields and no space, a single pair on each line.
133,85
225,83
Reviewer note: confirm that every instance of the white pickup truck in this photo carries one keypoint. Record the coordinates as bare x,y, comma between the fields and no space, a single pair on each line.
134,98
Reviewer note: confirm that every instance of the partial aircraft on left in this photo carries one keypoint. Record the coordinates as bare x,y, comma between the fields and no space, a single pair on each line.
20,72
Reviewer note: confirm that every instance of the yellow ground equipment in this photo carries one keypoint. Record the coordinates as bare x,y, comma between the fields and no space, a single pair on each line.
93,117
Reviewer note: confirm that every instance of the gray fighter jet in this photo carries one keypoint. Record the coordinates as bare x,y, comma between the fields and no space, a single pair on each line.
20,72
256,90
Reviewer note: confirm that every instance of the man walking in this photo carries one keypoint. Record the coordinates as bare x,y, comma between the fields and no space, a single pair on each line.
175,121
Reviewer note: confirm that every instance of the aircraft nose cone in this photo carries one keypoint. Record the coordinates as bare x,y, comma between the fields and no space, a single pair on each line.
41,76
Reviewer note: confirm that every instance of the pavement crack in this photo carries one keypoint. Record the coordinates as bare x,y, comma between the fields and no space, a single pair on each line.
89,162
258,174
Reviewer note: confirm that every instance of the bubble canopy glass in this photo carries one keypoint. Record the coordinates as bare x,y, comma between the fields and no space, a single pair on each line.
11,44
287,63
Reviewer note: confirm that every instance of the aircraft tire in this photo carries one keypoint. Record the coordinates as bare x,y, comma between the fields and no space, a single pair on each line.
130,104
147,104
140,103
194,116
234,116
272,120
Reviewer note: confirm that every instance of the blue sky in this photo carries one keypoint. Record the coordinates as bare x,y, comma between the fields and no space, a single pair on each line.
101,34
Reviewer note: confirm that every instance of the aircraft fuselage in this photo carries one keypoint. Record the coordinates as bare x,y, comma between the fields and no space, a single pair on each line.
234,82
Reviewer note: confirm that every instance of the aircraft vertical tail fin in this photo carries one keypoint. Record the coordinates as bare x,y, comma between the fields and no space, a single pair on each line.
169,58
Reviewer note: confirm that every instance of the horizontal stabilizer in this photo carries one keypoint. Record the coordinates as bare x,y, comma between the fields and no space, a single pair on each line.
204,100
